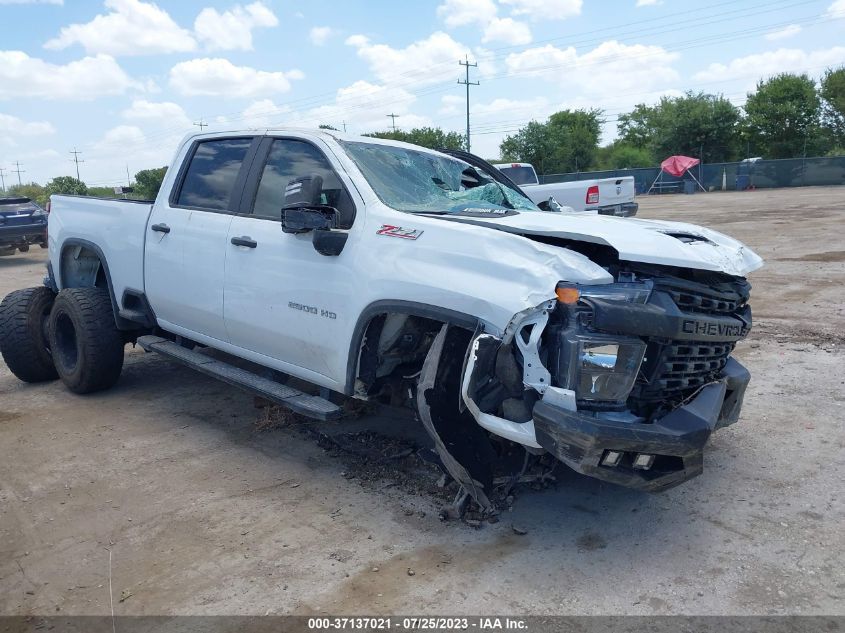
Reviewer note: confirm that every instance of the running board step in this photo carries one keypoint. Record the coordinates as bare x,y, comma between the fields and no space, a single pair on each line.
297,401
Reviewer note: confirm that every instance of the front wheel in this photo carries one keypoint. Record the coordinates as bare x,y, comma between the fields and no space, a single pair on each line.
23,334
87,347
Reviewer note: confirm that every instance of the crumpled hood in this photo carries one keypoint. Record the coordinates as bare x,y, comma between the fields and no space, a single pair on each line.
650,241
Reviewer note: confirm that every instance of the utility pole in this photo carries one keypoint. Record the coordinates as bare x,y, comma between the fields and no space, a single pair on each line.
468,83
19,171
201,124
128,179
344,126
392,118
3,177
77,161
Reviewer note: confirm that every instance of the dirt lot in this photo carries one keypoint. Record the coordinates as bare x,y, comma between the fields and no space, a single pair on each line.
205,512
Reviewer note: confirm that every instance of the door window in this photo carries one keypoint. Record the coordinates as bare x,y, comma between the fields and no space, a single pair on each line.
296,170
210,179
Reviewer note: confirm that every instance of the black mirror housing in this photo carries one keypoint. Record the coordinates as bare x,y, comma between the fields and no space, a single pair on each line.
298,218
329,243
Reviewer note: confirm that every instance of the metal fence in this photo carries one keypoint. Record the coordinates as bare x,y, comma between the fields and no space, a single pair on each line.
787,172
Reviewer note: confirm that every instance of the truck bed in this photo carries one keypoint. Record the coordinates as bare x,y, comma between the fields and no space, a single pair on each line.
117,228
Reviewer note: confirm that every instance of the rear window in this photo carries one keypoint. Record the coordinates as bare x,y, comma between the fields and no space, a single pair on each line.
520,175
18,207
210,179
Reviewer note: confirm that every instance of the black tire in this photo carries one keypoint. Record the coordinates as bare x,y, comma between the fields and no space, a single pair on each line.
23,334
87,347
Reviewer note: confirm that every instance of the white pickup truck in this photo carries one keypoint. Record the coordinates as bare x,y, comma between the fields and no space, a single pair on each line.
378,270
605,196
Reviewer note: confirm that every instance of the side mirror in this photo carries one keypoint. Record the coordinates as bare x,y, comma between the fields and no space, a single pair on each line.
329,243
320,219
299,218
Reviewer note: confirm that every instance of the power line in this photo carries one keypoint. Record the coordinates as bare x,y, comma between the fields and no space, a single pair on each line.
466,82
19,171
392,119
76,160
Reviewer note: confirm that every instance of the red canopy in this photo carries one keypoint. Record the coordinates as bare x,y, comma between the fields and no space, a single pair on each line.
677,165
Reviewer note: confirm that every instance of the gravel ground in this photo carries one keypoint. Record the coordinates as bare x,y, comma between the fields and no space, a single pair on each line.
204,508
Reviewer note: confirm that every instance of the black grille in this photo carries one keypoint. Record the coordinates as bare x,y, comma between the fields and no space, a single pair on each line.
674,369
689,364
706,304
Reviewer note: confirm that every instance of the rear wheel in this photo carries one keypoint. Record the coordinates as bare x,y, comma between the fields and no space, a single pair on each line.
23,334
87,347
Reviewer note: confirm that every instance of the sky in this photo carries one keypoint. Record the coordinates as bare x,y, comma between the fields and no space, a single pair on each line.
122,81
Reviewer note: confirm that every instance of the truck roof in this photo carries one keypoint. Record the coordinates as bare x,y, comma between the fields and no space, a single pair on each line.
306,132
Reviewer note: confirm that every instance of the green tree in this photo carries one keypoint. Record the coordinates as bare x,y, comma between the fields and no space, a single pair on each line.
783,117
567,142
31,190
832,91
695,124
431,137
66,185
531,144
148,182
622,155
326,126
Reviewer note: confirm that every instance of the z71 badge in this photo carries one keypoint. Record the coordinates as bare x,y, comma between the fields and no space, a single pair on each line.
397,231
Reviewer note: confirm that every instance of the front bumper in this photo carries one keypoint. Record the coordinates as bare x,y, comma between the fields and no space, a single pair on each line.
626,210
677,440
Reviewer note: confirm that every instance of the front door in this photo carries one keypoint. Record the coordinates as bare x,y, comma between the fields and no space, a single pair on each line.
284,300
187,239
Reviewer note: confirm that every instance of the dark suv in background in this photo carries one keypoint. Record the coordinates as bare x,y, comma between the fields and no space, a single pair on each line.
22,223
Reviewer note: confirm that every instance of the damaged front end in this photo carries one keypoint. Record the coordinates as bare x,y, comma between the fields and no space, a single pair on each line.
624,382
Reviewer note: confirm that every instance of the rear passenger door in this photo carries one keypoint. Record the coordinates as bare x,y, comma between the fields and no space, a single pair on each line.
187,238
285,303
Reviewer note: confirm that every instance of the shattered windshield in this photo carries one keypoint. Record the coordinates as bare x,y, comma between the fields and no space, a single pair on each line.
421,182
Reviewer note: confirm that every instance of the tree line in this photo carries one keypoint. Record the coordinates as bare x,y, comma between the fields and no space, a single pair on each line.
146,186
787,116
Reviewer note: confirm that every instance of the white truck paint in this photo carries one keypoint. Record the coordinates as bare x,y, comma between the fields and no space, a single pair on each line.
459,246
605,196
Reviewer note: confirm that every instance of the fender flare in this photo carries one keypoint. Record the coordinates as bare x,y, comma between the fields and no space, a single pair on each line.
121,322
398,306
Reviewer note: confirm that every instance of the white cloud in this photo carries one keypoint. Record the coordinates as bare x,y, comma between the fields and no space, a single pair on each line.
163,113
836,10
220,77
450,104
484,13
782,34
13,126
545,9
782,60
263,113
232,29
648,3
319,35
508,31
131,27
456,13
87,78
426,61
609,69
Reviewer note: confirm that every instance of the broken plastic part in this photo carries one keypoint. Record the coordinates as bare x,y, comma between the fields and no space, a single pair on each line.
458,440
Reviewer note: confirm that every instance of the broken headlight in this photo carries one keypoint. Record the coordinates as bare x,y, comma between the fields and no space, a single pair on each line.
599,368
633,292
